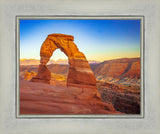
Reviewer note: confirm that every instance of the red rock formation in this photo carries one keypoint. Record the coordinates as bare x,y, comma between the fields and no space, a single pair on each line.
41,98
28,75
80,73
119,70
44,75
134,71
124,98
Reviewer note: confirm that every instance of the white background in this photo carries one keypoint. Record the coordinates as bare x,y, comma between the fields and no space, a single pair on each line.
9,124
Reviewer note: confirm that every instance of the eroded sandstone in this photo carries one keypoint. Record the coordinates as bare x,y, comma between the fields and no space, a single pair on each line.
41,98
79,74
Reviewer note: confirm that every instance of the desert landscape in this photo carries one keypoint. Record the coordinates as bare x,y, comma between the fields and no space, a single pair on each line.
84,67
118,82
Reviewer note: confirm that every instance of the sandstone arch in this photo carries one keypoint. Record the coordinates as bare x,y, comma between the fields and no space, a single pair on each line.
79,74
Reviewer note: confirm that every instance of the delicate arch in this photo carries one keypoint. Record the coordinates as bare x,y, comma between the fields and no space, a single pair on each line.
79,73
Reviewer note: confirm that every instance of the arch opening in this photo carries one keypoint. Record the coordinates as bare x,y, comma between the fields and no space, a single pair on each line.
58,68
58,56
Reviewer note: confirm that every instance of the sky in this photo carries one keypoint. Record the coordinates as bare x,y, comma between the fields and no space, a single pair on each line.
99,40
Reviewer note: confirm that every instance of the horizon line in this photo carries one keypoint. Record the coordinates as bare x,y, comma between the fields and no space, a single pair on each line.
87,59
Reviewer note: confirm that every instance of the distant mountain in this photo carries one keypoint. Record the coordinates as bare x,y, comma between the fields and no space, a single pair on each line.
93,62
37,62
29,62
60,61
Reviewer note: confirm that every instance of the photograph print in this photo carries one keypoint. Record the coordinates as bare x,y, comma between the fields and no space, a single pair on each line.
79,66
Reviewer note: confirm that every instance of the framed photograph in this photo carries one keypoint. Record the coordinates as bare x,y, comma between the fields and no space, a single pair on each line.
82,67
